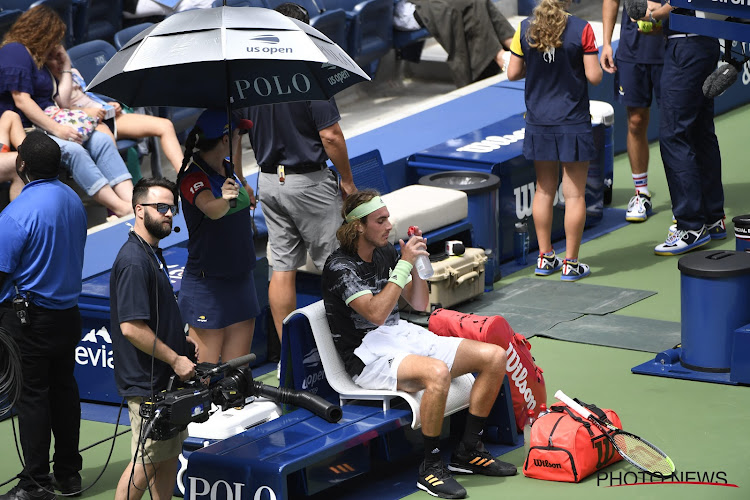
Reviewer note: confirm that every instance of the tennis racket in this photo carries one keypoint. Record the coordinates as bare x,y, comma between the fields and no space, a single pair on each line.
632,448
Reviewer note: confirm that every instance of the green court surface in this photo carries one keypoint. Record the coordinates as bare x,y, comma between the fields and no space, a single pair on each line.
703,427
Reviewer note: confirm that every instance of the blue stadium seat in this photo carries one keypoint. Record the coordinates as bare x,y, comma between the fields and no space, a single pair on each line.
104,19
7,18
370,29
126,34
332,23
64,8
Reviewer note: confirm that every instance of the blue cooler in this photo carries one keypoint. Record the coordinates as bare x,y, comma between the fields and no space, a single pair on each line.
742,233
481,189
715,301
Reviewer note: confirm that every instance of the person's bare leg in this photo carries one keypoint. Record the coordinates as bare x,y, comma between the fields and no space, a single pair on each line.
547,175
104,129
11,129
488,362
637,140
124,191
107,197
237,339
161,477
137,126
282,297
574,191
419,372
209,343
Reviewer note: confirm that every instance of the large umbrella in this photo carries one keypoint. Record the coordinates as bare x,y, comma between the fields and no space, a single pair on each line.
227,56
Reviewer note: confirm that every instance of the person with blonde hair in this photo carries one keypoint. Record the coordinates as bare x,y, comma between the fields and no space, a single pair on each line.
27,87
558,55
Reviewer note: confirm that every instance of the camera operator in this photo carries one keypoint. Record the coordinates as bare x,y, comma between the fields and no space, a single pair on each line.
148,336
41,258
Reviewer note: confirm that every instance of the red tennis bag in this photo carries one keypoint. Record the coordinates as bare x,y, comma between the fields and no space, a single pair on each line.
566,447
527,386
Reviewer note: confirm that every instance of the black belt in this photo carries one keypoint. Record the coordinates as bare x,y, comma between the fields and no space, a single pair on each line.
299,169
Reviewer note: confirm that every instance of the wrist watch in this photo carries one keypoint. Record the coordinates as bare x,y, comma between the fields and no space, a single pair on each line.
651,16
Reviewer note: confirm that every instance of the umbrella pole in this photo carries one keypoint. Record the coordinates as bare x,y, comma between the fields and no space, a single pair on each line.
232,203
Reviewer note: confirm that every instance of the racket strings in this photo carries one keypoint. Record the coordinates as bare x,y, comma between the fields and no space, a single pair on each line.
644,454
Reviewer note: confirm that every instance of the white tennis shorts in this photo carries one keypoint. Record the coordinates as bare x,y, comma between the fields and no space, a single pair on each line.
383,349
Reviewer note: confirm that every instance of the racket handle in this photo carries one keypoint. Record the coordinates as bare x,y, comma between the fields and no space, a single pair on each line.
560,395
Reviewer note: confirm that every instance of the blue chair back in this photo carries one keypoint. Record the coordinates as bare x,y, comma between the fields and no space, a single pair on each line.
125,35
240,3
104,19
90,57
64,9
7,18
368,172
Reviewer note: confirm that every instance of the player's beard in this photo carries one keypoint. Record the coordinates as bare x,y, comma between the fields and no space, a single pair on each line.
158,230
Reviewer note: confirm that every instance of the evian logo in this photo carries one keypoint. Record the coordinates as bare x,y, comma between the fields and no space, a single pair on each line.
525,196
546,463
100,354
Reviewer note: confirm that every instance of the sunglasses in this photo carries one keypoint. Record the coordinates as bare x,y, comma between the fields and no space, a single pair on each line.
162,208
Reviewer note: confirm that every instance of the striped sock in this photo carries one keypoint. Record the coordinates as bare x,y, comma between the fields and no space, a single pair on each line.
641,183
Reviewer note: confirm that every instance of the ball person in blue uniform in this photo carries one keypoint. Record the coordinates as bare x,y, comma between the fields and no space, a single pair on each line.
687,138
362,282
217,295
637,68
149,344
41,258
557,54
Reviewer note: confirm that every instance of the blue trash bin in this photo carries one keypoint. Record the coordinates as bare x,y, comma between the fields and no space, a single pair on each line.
481,189
715,294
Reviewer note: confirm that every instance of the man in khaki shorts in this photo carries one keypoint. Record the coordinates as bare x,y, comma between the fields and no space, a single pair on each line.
149,344
362,282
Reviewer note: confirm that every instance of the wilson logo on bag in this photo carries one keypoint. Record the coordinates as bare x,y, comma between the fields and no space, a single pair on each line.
566,447
527,386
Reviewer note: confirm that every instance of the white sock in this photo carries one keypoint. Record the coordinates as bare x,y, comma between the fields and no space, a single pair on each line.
641,183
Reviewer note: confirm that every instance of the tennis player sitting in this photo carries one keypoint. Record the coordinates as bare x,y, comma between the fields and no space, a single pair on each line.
362,282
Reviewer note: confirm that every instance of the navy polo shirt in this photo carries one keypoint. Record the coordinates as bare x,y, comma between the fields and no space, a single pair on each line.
556,89
288,133
636,47
139,289
43,233
221,247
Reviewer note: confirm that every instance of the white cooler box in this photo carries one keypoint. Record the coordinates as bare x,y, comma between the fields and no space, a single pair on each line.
457,279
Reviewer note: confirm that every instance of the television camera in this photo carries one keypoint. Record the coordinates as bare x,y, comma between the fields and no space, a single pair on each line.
226,385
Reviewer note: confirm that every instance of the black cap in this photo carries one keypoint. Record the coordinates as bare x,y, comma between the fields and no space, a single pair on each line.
41,154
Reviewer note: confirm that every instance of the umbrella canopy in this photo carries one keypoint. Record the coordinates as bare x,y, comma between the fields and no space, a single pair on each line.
236,56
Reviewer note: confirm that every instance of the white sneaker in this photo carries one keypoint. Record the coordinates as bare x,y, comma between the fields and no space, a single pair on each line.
680,241
639,208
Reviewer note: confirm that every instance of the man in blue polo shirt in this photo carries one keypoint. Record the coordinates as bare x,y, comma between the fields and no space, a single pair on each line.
41,259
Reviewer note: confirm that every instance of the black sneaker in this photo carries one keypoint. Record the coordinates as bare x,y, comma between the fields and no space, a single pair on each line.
479,461
70,486
438,482
18,493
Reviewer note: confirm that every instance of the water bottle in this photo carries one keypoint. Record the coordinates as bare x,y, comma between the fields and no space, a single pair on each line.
521,243
423,265
527,431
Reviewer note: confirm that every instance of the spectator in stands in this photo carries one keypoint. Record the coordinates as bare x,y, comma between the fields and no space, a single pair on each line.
26,87
473,32
41,260
11,135
637,69
557,54
362,283
139,11
149,344
128,125
687,138
217,295
301,196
